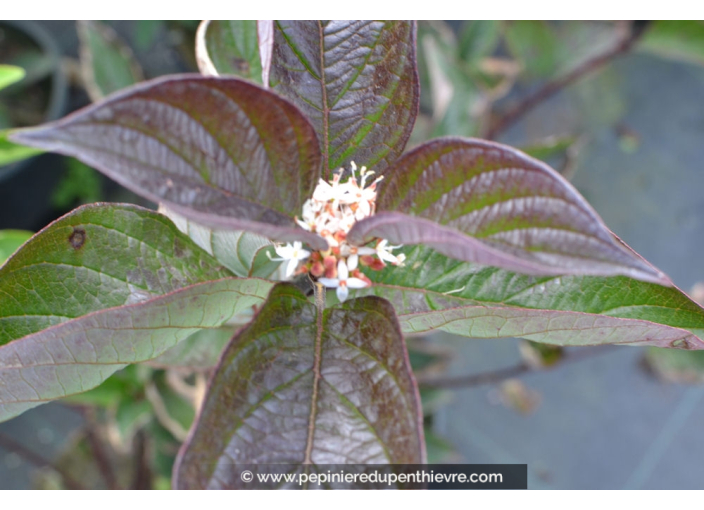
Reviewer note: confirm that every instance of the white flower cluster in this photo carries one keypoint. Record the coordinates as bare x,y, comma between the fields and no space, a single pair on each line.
331,213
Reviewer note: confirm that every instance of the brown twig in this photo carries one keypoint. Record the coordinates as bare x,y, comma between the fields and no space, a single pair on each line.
497,376
142,479
623,46
98,451
9,444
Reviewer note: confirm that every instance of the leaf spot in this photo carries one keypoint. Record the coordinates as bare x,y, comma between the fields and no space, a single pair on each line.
77,238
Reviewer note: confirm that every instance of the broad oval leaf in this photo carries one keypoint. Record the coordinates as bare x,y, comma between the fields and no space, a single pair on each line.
220,151
78,355
342,380
235,47
436,292
107,62
487,203
244,253
97,256
355,80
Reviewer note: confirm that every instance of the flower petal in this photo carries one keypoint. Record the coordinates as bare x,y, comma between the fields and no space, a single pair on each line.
352,262
291,267
330,283
342,271
356,283
342,293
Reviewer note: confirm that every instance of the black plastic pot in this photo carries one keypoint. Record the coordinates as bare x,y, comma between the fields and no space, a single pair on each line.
25,186
58,88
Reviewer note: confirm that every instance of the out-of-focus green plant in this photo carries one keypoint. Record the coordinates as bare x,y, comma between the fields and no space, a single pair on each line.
676,39
10,240
9,75
80,185
11,152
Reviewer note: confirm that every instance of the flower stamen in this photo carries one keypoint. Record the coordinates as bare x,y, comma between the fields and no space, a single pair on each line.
331,212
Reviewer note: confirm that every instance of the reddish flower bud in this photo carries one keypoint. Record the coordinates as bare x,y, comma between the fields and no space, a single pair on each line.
377,265
317,269
330,265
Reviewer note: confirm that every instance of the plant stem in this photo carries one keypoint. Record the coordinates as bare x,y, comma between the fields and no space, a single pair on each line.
320,308
623,46
142,479
502,374
99,454
9,444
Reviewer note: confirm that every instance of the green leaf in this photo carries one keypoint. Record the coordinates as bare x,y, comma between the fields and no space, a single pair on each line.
676,366
220,151
488,203
355,80
440,450
177,407
75,356
125,384
10,240
675,39
535,45
200,351
130,416
9,75
146,32
243,253
80,184
435,292
539,356
549,148
341,379
107,63
11,152
98,256
478,39
236,48
454,93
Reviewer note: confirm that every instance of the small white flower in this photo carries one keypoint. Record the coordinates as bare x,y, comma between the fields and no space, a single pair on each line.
311,210
333,191
291,254
384,253
365,250
343,282
352,262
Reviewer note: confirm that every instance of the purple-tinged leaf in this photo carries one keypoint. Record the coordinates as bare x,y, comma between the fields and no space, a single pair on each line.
237,48
97,256
302,388
436,292
78,355
487,203
220,151
355,80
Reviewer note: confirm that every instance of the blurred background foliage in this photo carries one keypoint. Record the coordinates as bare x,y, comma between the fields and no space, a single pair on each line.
478,78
